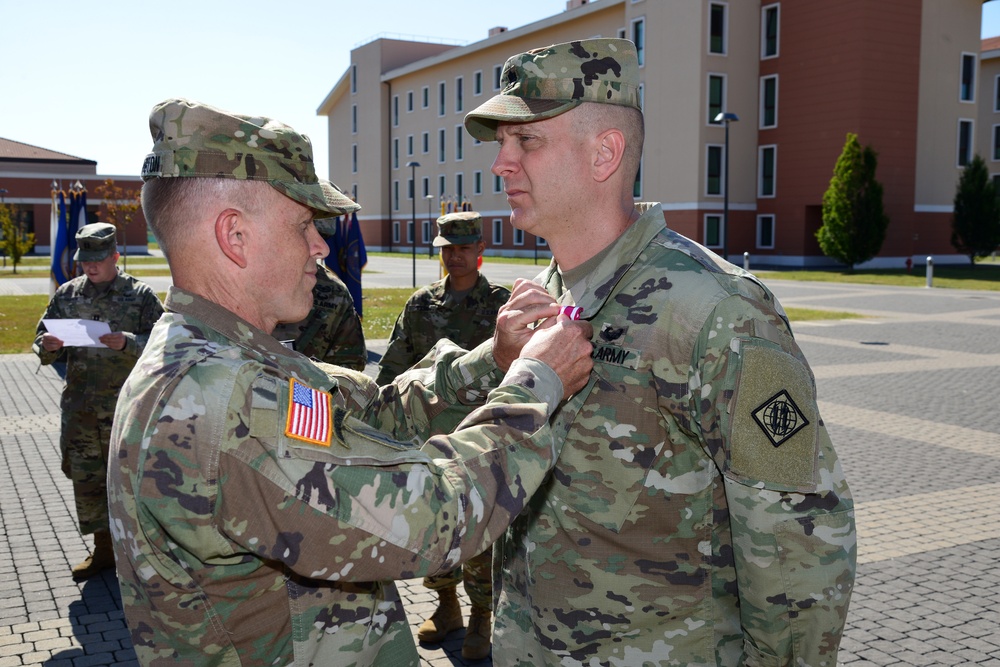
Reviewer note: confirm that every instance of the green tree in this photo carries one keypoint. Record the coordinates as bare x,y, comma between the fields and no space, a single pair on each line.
975,225
854,220
120,207
15,243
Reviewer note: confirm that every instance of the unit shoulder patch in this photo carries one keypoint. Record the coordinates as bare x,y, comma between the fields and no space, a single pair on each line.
780,418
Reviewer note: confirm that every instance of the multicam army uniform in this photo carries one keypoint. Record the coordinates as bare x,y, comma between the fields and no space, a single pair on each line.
93,377
332,332
240,541
431,314
698,514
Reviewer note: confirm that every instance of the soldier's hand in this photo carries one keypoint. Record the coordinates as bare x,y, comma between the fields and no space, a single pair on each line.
115,340
51,343
564,345
527,304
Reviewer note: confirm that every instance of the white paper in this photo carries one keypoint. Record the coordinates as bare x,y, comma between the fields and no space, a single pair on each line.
78,333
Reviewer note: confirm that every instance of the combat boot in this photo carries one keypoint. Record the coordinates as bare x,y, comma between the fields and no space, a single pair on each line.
102,558
477,636
447,617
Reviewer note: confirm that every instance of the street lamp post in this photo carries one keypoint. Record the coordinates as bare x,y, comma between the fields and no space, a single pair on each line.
3,202
725,118
413,219
430,245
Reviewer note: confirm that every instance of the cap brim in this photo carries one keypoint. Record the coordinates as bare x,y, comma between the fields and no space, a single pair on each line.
482,122
440,241
91,255
323,196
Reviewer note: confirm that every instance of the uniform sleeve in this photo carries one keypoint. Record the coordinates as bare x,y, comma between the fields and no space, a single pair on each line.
399,353
437,393
791,512
53,311
135,341
363,507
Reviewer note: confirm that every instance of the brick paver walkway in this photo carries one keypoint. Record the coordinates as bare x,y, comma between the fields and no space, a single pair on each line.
910,394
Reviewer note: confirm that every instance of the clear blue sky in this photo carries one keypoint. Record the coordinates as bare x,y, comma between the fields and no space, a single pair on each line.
82,81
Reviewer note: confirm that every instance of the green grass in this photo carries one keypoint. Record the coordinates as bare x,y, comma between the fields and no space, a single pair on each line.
19,316
985,276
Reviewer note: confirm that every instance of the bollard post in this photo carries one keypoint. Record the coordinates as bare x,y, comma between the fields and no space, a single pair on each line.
930,272
746,261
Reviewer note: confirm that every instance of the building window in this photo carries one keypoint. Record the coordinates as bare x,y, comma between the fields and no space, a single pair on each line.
967,93
395,153
459,146
354,158
426,142
395,195
354,79
713,170
996,182
477,182
409,144
395,110
996,94
539,241
637,183
441,94
497,184
765,231
459,187
497,71
395,231
769,27
766,168
441,153
409,188
441,185
410,232
713,231
518,236
769,101
354,119
964,142
477,83
639,38
459,93
716,97
425,94
427,186
426,232
497,231
717,28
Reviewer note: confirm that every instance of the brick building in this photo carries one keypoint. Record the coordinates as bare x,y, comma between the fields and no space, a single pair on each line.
27,175
799,75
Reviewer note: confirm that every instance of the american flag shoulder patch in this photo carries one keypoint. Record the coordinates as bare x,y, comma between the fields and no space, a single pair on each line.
308,414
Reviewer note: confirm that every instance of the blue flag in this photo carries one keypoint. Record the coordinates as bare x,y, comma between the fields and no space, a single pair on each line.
348,257
61,257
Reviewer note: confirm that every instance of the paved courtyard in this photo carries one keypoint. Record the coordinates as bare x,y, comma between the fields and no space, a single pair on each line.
910,395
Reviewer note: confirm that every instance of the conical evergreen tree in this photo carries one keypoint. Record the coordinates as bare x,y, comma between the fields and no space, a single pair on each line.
975,225
854,220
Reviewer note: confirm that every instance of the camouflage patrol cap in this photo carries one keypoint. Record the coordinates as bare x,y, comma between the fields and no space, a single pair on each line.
95,242
191,139
546,82
459,229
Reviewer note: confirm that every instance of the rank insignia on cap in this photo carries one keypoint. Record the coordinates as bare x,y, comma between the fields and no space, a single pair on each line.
780,418
308,414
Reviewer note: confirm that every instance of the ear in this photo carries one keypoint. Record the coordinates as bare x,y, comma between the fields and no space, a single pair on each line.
610,150
231,235
480,247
